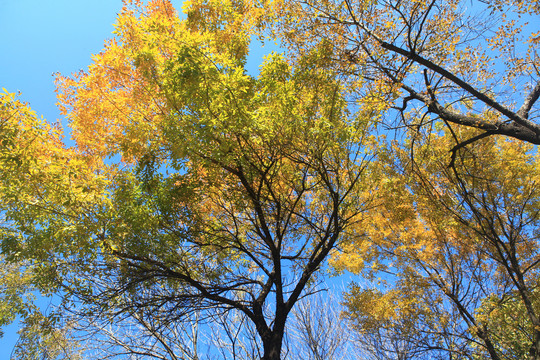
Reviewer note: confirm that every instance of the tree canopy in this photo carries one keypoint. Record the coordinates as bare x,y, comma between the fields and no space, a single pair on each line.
457,246
393,140
468,63
232,189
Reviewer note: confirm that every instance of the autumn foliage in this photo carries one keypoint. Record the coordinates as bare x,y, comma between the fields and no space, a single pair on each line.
387,139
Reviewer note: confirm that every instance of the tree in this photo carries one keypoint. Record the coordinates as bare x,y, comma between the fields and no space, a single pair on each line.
319,331
33,169
42,337
14,299
137,335
232,190
461,238
459,247
467,63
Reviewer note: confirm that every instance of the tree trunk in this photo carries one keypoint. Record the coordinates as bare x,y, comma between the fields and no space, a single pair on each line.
534,352
272,346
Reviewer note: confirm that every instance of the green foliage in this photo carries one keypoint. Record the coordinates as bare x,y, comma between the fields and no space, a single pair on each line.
16,298
232,190
41,338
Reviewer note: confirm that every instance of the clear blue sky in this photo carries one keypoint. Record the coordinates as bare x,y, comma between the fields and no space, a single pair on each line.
39,38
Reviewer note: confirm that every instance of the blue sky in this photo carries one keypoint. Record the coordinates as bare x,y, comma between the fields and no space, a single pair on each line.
40,38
